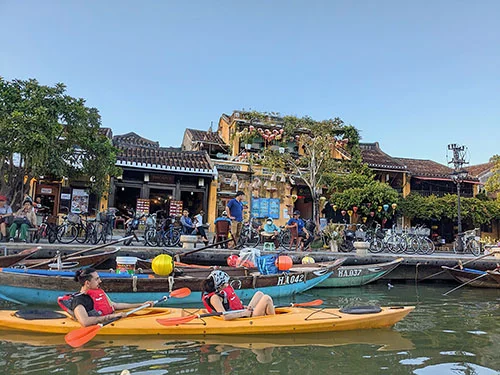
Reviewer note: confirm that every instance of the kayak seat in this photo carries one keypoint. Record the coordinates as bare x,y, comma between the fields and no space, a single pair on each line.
361,310
39,314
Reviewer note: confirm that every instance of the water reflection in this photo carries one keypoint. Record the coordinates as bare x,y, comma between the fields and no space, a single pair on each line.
458,334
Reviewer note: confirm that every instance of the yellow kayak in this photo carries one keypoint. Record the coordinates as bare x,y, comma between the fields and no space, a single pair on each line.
287,320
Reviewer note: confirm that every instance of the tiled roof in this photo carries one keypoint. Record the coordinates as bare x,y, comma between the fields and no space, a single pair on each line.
375,158
133,140
135,151
107,132
425,168
205,137
480,169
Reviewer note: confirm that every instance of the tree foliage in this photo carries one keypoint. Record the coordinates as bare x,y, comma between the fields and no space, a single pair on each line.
362,191
45,132
475,210
493,184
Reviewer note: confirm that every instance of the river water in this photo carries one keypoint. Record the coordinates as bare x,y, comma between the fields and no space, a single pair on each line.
456,334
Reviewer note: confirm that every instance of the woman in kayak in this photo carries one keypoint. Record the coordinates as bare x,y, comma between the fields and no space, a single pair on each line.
92,306
219,296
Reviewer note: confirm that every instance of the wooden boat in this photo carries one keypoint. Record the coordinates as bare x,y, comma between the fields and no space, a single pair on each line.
71,262
42,287
357,275
288,320
10,260
495,274
385,339
472,277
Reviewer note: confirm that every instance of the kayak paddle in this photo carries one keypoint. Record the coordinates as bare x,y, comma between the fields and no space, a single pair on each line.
81,336
186,319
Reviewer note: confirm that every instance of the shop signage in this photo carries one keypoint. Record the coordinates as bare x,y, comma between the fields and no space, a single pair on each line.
228,167
46,190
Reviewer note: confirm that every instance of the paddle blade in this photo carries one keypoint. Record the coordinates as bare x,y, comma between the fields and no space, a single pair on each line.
175,321
81,336
316,302
180,293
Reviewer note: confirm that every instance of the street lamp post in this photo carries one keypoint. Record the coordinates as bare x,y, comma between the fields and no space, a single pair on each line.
458,177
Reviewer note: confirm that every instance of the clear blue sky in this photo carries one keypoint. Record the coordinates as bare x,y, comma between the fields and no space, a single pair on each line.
412,75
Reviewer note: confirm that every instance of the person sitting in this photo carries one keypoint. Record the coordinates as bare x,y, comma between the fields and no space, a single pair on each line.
219,296
297,222
24,219
5,213
271,232
92,305
187,224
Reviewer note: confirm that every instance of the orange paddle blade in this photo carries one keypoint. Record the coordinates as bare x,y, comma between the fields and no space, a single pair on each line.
80,336
316,302
175,321
180,293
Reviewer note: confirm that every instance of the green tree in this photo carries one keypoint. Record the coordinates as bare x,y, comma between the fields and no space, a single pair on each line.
44,131
493,184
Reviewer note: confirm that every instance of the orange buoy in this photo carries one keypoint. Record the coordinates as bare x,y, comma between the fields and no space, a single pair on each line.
284,263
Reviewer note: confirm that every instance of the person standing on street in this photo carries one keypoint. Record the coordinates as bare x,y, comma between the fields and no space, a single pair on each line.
234,211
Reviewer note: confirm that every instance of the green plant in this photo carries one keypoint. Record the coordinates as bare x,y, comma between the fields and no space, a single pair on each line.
333,232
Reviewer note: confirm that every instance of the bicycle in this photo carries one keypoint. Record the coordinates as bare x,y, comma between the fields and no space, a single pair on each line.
163,234
68,230
47,228
470,242
250,235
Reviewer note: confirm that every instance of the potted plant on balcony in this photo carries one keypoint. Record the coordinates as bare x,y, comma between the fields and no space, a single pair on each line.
333,235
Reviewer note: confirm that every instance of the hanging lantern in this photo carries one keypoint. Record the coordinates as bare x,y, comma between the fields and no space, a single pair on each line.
260,130
294,197
349,212
335,207
394,205
368,205
162,265
251,128
379,208
364,218
386,207
282,178
355,208
281,131
273,177
283,262
322,198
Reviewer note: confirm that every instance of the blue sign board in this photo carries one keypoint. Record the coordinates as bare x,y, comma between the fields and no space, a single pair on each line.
266,207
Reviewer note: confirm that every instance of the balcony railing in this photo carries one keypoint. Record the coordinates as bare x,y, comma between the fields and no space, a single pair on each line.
426,193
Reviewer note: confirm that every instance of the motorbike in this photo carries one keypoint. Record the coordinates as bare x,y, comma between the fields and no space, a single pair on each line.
131,226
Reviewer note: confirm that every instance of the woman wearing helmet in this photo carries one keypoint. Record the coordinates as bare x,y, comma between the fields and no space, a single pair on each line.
219,296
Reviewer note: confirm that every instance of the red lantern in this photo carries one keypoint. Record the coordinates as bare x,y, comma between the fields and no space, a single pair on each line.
355,209
232,260
284,262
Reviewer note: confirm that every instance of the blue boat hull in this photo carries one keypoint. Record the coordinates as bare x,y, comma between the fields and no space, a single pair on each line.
25,295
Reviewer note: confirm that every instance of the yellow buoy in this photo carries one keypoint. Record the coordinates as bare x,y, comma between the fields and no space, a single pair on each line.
163,265
308,260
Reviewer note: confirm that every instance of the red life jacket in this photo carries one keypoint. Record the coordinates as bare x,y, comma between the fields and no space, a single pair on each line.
230,300
102,303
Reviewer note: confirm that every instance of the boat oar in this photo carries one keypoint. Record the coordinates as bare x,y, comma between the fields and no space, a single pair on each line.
81,336
466,283
186,319
463,264
43,263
